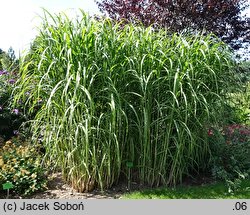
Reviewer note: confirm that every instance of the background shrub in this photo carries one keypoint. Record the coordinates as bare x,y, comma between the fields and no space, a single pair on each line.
230,149
243,71
240,101
11,117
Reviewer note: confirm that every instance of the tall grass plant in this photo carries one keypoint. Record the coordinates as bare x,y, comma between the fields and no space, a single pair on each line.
121,101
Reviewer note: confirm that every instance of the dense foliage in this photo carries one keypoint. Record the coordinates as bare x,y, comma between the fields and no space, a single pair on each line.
231,154
20,164
11,117
222,17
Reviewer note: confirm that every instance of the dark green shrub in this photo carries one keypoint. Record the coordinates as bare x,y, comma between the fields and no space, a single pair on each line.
239,101
11,117
230,149
243,71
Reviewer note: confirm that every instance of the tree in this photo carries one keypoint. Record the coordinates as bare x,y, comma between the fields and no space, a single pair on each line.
222,17
8,61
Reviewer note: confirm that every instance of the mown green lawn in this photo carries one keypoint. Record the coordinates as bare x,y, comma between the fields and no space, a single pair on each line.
210,191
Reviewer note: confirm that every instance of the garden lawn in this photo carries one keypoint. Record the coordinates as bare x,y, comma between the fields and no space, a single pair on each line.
209,191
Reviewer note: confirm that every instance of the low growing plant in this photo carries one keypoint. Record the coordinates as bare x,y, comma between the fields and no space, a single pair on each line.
20,164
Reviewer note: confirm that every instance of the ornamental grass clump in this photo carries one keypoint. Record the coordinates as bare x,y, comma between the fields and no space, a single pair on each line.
123,102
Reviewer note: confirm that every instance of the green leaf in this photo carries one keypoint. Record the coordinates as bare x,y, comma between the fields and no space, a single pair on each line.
8,185
129,164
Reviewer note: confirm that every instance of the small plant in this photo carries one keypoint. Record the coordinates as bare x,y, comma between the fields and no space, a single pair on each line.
7,186
20,164
230,148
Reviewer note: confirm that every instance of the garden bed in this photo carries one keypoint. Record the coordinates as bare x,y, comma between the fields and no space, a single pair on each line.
58,189
202,187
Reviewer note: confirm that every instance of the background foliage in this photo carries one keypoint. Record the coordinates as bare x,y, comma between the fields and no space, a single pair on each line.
222,17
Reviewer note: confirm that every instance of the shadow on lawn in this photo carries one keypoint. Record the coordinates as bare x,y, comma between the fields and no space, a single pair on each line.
215,190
